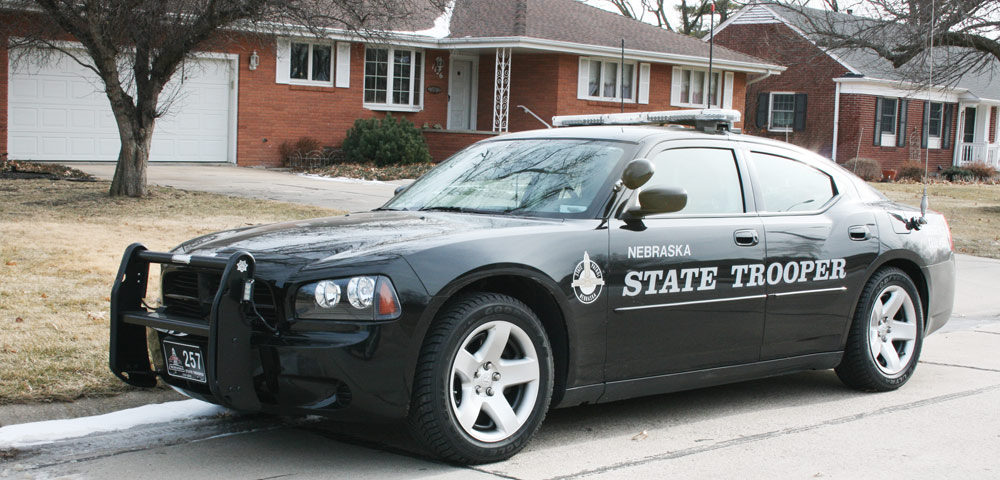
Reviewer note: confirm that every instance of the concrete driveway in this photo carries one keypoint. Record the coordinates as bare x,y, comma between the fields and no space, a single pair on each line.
352,196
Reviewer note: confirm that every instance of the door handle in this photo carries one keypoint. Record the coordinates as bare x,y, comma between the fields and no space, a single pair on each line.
859,233
746,238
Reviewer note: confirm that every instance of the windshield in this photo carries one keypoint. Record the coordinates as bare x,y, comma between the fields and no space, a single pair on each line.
557,178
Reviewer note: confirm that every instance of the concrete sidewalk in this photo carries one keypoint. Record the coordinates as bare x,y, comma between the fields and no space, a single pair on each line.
349,195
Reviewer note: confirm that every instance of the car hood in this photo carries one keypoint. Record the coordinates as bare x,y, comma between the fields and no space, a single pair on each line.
354,235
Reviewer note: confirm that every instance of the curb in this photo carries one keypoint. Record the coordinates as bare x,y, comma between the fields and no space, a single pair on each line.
36,412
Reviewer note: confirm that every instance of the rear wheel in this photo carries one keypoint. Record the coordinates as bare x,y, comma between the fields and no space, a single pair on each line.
885,339
484,380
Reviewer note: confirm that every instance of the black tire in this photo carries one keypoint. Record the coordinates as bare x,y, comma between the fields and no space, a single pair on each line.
436,395
861,368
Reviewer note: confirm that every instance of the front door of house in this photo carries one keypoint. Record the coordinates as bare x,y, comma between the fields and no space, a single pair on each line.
970,125
460,97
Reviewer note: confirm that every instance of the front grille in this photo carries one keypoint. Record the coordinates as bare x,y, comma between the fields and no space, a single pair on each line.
189,293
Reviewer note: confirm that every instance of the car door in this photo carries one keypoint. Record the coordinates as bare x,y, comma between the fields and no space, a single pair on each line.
675,304
819,246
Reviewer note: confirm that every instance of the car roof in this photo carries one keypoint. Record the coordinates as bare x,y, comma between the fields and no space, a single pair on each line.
646,133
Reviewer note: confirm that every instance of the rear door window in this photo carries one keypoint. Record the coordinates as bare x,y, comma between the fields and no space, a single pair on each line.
787,185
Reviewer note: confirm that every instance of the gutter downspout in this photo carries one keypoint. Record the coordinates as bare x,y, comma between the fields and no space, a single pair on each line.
761,77
836,121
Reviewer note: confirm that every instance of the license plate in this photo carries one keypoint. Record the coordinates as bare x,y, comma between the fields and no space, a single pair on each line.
184,361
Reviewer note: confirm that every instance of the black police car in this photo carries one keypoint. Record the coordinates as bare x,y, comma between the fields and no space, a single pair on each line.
546,269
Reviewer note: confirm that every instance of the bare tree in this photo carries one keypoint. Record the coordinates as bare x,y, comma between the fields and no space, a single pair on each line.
136,46
901,31
694,14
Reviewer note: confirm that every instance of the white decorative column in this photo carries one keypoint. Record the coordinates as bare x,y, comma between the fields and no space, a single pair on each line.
501,90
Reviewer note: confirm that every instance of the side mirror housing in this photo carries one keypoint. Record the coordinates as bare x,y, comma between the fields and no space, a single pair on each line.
657,200
399,189
637,173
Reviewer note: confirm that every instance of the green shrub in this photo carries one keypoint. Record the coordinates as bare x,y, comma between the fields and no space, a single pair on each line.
867,168
385,141
911,171
953,173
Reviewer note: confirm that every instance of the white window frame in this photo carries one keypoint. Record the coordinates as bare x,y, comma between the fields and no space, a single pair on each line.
309,65
414,71
770,113
889,139
686,102
583,86
934,141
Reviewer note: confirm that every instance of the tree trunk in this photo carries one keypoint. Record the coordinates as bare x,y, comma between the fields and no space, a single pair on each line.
130,173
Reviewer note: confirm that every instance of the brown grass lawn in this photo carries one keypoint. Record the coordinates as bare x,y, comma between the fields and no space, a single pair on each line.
60,246
973,212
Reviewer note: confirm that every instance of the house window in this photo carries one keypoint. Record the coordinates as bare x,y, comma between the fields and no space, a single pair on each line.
694,87
603,77
311,63
935,124
887,121
393,79
782,117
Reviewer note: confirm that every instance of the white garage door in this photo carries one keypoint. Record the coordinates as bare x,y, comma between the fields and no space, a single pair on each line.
58,111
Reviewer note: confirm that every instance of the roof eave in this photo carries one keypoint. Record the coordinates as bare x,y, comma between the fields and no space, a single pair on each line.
586,49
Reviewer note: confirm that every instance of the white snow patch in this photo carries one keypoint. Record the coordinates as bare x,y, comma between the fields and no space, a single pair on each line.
343,179
442,24
37,433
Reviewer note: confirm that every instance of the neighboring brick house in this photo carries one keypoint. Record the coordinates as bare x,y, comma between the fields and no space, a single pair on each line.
827,100
476,64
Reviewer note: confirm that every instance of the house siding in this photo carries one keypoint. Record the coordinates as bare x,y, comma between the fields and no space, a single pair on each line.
856,137
809,71
271,113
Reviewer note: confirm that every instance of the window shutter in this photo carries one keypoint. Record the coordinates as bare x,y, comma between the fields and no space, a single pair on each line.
284,51
584,77
727,92
904,107
763,106
675,86
800,112
946,126
877,140
927,124
644,82
343,75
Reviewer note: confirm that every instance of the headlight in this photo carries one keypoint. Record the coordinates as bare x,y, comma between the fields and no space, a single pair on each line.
368,298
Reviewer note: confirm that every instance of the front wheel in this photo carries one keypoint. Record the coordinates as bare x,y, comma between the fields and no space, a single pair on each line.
484,380
885,339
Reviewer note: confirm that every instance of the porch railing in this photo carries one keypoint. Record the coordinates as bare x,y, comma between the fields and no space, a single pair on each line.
988,153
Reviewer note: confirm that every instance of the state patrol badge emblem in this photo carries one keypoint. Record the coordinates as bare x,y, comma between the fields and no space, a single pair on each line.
588,281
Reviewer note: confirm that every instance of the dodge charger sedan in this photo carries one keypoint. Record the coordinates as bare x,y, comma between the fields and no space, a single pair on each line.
545,269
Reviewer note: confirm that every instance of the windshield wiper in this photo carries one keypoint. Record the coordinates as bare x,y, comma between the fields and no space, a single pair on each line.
457,209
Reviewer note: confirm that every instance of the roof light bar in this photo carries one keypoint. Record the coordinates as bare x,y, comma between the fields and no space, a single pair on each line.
709,120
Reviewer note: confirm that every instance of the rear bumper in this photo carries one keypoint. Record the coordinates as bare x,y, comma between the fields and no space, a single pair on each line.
345,370
941,294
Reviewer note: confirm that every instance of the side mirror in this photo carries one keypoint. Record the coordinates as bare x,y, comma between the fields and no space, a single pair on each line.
637,173
658,200
399,189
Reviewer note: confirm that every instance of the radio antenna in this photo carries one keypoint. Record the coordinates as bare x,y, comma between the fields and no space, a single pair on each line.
711,45
924,202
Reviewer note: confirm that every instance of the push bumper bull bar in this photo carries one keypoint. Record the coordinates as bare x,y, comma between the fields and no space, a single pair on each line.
229,356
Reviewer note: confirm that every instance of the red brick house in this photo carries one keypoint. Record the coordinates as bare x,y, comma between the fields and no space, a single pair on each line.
462,76
852,103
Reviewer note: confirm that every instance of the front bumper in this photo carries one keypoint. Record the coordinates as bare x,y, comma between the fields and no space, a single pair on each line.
345,370
941,292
